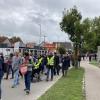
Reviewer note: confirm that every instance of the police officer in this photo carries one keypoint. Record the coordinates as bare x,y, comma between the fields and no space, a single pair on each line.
37,67
50,66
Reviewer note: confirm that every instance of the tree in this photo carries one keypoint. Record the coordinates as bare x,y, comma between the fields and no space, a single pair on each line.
96,30
72,25
61,50
91,36
15,39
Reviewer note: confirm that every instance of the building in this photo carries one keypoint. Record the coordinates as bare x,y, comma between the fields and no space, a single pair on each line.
67,45
4,43
50,47
5,46
30,45
19,46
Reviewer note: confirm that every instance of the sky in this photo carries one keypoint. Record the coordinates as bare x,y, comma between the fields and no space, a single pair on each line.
23,18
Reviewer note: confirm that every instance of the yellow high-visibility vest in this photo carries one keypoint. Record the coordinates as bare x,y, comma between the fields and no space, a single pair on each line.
38,64
50,60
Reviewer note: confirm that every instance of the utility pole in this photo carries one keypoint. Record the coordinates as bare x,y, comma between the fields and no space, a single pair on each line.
40,35
44,38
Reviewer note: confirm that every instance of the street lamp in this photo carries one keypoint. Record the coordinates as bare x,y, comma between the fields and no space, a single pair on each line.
39,35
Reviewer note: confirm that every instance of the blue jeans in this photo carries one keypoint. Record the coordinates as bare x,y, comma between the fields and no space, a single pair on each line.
27,77
48,71
16,78
78,63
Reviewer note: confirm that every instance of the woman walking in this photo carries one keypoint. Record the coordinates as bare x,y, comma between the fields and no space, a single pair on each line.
28,74
16,62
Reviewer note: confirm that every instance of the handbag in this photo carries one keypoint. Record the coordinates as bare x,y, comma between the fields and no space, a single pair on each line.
23,69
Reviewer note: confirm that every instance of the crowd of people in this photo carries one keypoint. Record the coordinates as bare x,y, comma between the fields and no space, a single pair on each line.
30,67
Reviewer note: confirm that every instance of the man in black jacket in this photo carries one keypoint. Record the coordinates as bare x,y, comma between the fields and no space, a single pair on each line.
56,64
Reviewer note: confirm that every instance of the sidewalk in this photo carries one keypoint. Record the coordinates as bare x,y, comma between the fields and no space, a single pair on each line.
92,81
37,89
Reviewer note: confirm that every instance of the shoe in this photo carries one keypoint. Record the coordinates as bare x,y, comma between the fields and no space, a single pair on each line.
39,80
25,89
45,73
6,78
13,86
51,79
27,92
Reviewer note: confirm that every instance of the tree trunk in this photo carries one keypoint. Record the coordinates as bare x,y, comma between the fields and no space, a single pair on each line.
76,56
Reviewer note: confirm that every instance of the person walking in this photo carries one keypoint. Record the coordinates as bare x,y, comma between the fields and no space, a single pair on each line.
28,74
65,65
45,63
1,72
79,60
56,64
37,68
9,68
16,62
90,57
50,66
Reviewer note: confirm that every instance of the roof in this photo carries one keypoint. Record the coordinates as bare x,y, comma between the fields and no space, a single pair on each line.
2,39
49,45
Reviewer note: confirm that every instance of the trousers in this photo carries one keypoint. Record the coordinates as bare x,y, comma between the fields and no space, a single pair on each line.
27,78
16,78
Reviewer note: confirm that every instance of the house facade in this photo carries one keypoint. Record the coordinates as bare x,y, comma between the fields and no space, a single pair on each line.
67,45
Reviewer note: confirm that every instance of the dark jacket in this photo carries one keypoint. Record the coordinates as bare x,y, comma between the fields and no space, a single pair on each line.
1,67
56,60
66,62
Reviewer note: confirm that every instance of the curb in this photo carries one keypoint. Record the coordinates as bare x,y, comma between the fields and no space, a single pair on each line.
84,88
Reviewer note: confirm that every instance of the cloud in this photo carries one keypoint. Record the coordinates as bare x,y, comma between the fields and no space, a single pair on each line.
23,17
89,8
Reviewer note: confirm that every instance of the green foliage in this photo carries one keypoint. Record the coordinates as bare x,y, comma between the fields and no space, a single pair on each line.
91,34
61,50
71,23
75,27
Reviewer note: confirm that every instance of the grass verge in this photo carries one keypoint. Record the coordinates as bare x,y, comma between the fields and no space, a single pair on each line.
67,88
95,63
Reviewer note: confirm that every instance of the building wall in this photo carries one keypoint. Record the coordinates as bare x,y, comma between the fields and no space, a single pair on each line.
50,47
30,45
67,45
6,51
7,42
